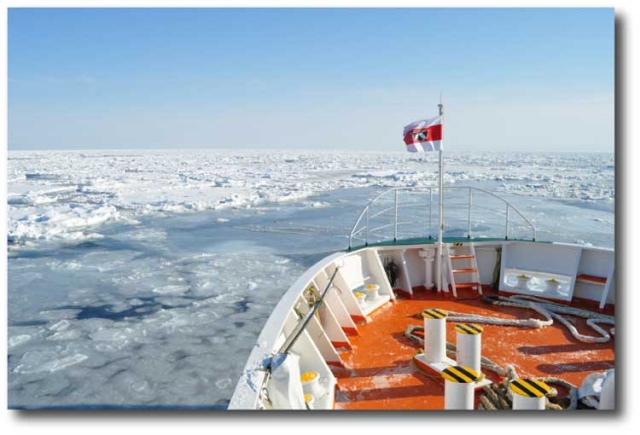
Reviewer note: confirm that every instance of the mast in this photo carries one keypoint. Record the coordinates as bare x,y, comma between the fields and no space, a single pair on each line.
441,204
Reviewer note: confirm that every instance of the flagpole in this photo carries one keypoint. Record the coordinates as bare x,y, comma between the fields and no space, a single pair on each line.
441,205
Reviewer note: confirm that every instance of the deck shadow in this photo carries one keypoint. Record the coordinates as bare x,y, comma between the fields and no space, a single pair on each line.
560,348
589,366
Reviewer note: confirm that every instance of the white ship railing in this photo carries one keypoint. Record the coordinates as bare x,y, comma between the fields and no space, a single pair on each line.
406,212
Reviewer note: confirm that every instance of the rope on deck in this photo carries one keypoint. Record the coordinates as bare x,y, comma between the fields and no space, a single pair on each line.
498,396
549,310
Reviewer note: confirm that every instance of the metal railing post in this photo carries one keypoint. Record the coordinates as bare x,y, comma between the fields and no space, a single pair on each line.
506,230
395,219
469,215
430,208
366,231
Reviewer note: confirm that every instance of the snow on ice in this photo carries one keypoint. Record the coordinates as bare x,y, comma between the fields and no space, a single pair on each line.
65,194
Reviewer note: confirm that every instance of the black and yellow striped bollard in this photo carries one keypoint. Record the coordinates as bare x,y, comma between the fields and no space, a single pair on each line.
469,345
529,394
459,387
435,335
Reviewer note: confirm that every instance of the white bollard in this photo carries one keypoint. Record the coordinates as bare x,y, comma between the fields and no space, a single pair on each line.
469,345
608,394
310,383
529,394
459,387
429,255
371,291
435,335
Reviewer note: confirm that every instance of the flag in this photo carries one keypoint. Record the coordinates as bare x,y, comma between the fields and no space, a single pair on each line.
424,135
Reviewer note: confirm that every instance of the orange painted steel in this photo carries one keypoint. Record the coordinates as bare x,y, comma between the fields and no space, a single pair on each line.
462,257
379,373
464,270
592,279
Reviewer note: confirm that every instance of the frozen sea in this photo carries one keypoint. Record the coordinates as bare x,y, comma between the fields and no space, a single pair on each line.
142,278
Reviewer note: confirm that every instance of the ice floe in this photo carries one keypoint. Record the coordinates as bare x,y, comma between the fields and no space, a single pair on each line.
68,194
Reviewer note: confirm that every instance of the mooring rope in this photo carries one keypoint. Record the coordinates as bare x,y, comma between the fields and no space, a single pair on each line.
548,310
498,396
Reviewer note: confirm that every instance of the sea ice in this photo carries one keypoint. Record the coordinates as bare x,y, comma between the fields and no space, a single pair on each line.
66,194
17,340
46,361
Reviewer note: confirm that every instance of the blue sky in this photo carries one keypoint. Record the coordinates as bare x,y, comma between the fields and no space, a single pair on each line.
512,79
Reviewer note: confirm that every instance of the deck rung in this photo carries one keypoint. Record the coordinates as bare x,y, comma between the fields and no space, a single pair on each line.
591,279
464,270
462,257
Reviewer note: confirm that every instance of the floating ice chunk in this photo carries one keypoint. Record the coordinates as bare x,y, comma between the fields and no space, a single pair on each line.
112,334
133,385
64,265
18,340
72,334
173,301
227,298
319,204
60,326
61,222
140,386
171,289
223,383
42,200
46,361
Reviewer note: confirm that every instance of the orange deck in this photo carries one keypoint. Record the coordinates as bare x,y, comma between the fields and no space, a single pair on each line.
379,374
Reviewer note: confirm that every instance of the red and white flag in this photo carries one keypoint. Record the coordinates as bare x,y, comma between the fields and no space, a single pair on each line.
424,135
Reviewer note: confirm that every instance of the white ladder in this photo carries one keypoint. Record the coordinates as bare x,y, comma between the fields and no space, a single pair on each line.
461,261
